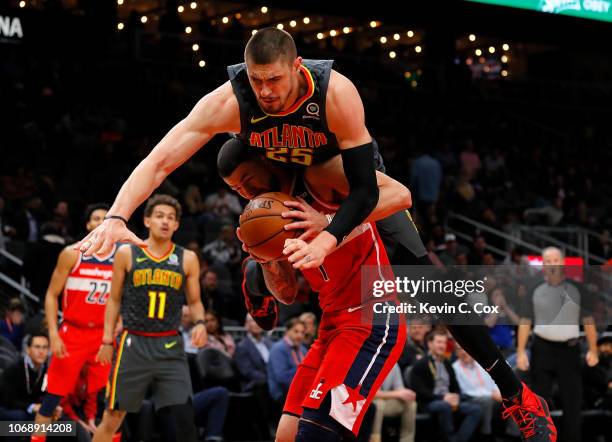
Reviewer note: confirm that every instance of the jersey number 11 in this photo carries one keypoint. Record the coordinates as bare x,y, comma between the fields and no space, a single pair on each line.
160,307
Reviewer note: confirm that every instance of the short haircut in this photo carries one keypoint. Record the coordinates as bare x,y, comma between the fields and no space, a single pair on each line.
161,199
269,45
231,155
30,338
89,210
436,332
292,323
553,249
308,315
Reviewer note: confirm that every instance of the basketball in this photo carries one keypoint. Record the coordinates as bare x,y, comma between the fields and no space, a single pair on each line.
262,226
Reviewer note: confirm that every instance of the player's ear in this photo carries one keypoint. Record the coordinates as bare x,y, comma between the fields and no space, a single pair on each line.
147,222
297,63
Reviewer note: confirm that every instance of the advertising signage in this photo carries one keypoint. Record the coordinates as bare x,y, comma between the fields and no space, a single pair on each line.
590,9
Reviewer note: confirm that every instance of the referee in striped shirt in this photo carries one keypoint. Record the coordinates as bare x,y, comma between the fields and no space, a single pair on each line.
555,307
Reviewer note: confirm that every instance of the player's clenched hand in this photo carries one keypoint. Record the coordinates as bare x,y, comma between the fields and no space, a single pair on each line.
102,239
522,361
57,413
58,348
199,336
246,249
308,255
592,358
105,354
92,425
311,221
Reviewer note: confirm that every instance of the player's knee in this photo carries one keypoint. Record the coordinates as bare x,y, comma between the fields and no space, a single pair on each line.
48,404
287,428
309,431
317,425
113,419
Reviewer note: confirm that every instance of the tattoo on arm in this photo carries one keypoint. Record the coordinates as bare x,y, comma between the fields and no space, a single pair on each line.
280,280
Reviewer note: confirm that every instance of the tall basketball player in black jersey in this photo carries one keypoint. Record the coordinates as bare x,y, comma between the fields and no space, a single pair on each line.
150,287
294,112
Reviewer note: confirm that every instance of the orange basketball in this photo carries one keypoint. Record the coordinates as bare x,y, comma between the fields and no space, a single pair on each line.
262,226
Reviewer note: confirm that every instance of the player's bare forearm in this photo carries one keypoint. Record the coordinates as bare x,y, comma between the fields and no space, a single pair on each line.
590,332
279,277
393,196
51,310
65,262
121,266
111,315
524,329
196,311
191,266
331,185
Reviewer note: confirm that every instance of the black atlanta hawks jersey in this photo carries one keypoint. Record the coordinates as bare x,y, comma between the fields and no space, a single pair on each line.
298,136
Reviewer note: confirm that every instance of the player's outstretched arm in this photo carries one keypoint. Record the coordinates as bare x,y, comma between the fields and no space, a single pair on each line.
216,112
121,265
280,279
65,263
346,119
191,265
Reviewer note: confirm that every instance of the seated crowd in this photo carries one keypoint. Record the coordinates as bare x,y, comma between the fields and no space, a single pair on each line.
435,392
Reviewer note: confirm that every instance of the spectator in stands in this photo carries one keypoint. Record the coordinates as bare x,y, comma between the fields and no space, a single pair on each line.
41,257
82,405
285,355
310,327
27,221
416,343
194,246
193,203
61,215
185,330
251,360
478,251
217,337
13,325
501,325
550,214
252,355
470,161
451,249
555,307
425,181
6,230
394,399
22,385
477,386
223,302
433,379
225,250
598,379
602,247
210,409
224,205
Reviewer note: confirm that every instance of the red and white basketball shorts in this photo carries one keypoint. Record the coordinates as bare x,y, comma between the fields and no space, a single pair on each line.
350,359
82,345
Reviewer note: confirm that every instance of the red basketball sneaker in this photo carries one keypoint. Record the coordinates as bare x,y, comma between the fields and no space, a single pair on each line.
530,412
260,304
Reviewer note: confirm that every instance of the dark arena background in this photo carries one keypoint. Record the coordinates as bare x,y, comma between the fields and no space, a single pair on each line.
495,114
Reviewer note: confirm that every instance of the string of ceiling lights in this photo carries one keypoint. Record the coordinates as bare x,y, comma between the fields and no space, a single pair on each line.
397,38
